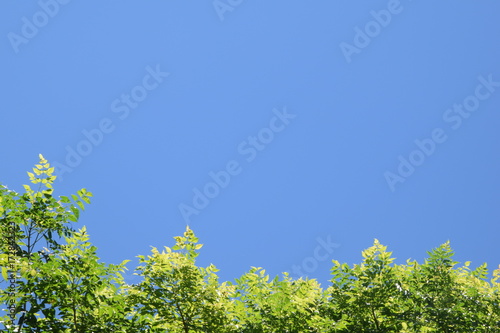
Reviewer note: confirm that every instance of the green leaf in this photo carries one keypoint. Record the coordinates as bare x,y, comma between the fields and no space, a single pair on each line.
80,204
75,211
5,273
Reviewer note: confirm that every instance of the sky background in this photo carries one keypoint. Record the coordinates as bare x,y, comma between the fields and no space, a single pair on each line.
358,92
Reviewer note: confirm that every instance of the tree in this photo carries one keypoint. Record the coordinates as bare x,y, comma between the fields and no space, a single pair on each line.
60,286
55,282
377,296
177,296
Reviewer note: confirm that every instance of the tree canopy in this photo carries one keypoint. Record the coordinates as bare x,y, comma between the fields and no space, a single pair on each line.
53,281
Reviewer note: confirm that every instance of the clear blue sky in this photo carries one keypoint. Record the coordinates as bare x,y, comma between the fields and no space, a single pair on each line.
285,133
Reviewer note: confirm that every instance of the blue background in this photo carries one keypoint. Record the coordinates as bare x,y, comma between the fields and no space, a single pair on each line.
322,176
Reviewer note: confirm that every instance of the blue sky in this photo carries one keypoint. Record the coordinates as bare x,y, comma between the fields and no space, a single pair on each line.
286,134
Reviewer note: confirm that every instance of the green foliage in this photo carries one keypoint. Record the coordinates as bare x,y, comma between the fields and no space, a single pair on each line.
62,286
377,296
278,305
177,296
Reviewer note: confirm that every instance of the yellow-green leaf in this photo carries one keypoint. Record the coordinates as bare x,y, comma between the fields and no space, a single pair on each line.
42,159
5,273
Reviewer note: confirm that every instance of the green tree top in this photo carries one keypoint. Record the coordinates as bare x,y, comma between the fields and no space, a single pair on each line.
60,285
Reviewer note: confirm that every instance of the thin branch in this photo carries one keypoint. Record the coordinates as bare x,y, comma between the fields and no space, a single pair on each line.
375,318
